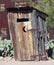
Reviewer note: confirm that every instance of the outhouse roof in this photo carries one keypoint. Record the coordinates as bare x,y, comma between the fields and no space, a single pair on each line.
27,9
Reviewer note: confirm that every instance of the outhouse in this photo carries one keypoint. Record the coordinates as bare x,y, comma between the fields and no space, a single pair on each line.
28,32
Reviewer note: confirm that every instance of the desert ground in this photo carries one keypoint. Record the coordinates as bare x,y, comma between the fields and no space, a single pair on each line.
9,61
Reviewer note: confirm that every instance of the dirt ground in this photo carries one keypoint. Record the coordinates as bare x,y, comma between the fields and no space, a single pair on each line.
11,61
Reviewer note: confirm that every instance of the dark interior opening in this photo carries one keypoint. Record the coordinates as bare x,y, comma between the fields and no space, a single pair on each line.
23,20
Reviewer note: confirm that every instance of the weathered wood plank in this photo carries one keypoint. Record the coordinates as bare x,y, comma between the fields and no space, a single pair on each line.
11,23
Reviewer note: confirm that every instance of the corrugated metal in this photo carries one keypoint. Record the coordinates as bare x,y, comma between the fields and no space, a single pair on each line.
3,15
9,3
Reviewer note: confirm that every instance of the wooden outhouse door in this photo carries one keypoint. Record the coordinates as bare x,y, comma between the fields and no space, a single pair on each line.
20,28
25,37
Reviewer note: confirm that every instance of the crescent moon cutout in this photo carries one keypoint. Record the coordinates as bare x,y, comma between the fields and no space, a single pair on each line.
24,29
